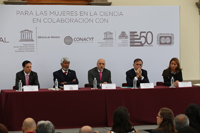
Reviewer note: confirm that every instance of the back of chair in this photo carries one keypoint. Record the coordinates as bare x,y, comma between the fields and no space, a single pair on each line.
159,83
124,84
87,85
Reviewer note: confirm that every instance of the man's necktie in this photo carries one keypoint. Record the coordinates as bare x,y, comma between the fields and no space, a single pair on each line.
27,79
100,75
65,72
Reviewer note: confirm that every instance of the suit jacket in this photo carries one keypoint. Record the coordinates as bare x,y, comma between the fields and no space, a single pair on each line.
167,75
130,75
93,73
60,76
33,79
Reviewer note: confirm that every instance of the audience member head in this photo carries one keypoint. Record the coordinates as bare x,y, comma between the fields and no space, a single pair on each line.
27,66
121,122
193,114
65,63
137,63
181,121
86,129
29,125
3,129
101,64
174,65
45,127
165,120
187,129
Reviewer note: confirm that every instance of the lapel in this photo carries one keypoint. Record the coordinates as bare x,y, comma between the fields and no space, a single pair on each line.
103,75
133,71
30,78
97,75
61,75
23,79
69,73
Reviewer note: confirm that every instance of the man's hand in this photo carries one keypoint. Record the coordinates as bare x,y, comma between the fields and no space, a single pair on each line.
138,72
74,80
63,83
104,83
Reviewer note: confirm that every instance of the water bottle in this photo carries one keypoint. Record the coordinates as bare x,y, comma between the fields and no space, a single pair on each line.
134,83
172,82
95,83
20,85
56,84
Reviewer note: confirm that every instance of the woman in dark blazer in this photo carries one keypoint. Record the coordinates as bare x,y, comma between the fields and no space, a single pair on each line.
173,70
165,121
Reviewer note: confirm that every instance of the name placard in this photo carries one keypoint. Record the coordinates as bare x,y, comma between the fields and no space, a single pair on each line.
108,86
30,88
184,84
146,85
70,87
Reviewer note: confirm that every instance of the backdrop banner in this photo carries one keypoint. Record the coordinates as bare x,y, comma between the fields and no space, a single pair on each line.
84,34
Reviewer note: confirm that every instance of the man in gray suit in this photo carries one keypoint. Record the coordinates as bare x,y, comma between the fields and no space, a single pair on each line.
27,76
102,74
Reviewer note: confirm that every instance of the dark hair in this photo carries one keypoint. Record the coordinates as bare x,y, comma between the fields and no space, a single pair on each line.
3,129
187,129
25,62
167,123
121,122
192,113
136,60
177,62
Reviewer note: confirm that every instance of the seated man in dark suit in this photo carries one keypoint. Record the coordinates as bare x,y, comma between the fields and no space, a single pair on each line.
136,73
27,76
65,76
102,75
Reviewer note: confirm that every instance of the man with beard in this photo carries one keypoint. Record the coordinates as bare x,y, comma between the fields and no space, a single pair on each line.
65,76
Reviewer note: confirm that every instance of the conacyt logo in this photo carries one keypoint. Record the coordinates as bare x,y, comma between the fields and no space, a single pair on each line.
68,40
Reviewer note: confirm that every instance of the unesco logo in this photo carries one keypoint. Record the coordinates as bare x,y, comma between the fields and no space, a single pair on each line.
68,40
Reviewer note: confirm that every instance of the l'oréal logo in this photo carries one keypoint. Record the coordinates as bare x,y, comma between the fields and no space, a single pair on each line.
3,40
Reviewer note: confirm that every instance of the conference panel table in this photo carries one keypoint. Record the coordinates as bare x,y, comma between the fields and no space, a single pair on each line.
71,109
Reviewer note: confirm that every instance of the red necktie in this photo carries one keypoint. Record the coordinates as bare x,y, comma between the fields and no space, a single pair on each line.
27,79
100,75
65,72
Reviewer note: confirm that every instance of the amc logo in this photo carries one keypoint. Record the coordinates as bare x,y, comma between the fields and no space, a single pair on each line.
3,40
165,39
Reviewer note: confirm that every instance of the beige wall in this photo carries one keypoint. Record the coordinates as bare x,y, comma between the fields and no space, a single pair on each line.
189,31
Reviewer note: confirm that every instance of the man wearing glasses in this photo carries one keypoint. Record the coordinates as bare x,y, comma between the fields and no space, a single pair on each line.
136,73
